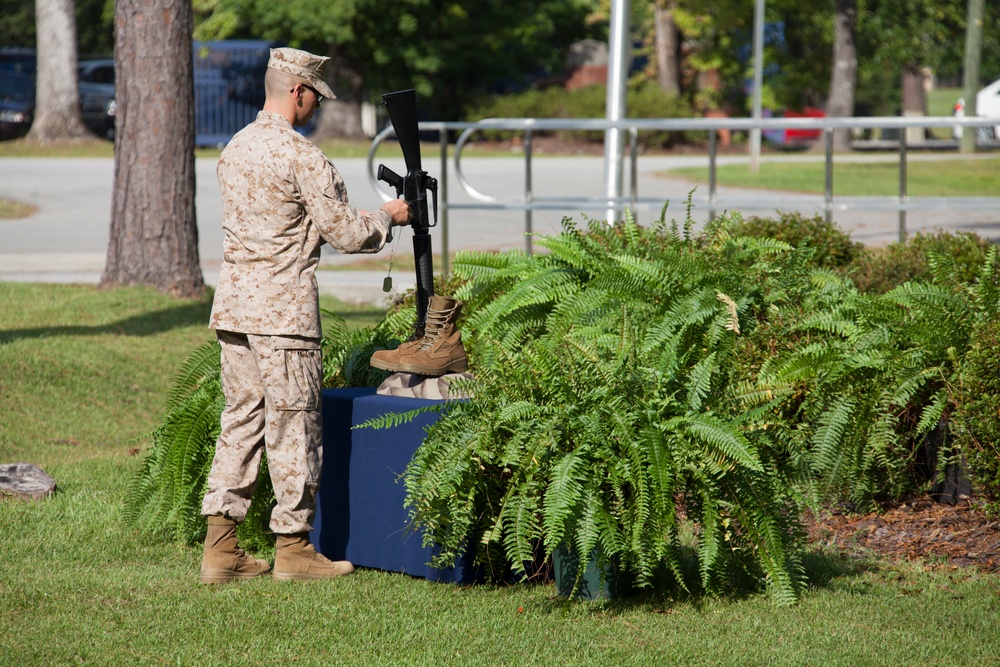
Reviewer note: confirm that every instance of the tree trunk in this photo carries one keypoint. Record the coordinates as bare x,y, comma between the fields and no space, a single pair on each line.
667,49
844,75
342,117
914,96
154,236
57,93
914,101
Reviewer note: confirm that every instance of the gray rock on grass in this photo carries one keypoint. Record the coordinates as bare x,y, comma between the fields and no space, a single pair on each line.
26,481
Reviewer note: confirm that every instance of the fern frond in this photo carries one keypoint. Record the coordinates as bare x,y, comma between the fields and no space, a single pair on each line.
204,363
394,419
563,497
726,443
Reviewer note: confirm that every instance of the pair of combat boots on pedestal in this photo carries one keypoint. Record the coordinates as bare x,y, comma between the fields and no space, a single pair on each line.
438,352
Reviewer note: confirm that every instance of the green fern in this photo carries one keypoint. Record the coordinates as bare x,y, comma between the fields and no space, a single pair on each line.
577,428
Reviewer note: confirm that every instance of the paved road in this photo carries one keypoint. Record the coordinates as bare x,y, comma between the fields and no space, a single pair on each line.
66,239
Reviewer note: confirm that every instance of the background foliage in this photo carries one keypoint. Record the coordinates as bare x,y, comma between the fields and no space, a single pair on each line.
456,52
446,51
643,101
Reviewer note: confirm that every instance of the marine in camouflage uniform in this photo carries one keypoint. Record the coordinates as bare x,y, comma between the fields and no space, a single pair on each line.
282,199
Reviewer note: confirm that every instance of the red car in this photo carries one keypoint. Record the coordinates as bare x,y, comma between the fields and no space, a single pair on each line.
791,136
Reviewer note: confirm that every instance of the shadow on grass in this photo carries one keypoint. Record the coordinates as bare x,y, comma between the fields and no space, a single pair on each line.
186,314
822,569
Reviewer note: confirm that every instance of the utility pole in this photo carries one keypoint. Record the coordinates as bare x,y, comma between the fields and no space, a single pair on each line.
973,55
758,81
619,61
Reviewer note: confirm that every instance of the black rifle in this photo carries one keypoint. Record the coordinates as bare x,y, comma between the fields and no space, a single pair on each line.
402,108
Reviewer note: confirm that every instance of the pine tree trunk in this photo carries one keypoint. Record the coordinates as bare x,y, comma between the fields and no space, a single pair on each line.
844,75
154,237
57,94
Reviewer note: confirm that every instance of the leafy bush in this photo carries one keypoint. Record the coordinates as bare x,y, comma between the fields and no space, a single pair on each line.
588,102
831,246
866,380
882,269
615,367
976,423
605,411
913,346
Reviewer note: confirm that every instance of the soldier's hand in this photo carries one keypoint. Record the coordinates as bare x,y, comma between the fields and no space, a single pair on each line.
399,210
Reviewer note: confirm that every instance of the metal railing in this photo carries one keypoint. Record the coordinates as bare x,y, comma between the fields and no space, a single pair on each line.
528,202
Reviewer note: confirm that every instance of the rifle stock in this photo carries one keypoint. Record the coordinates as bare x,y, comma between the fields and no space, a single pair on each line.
413,187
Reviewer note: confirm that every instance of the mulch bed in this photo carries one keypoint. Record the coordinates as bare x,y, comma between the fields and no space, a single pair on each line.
942,535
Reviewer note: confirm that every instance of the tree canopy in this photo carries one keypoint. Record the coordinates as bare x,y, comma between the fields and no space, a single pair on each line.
453,50
446,51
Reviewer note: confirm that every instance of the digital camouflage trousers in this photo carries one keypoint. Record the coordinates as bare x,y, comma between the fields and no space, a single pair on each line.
273,389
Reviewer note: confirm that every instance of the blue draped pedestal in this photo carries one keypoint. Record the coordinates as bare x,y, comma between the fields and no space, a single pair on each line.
361,516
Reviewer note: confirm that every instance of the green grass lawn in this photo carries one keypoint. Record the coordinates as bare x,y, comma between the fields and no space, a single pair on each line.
972,177
83,373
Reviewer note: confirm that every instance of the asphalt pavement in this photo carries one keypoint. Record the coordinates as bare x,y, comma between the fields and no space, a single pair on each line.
65,240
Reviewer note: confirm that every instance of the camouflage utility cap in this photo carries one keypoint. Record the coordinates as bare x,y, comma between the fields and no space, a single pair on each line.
302,64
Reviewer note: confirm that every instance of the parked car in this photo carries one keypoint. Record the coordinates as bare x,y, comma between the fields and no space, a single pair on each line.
987,106
793,137
17,80
17,103
97,96
17,58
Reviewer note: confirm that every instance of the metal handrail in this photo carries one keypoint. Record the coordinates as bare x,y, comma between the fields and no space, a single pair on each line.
529,202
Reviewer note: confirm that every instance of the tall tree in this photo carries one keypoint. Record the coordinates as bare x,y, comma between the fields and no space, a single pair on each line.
57,96
448,51
154,237
844,73
668,47
910,35
713,33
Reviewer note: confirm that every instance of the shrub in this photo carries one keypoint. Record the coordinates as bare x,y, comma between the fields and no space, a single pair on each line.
831,246
605,412
882,269
877,372
976,422
866,379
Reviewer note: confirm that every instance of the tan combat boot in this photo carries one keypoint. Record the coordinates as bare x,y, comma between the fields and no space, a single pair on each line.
223,560
388,360
297,559
441,351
